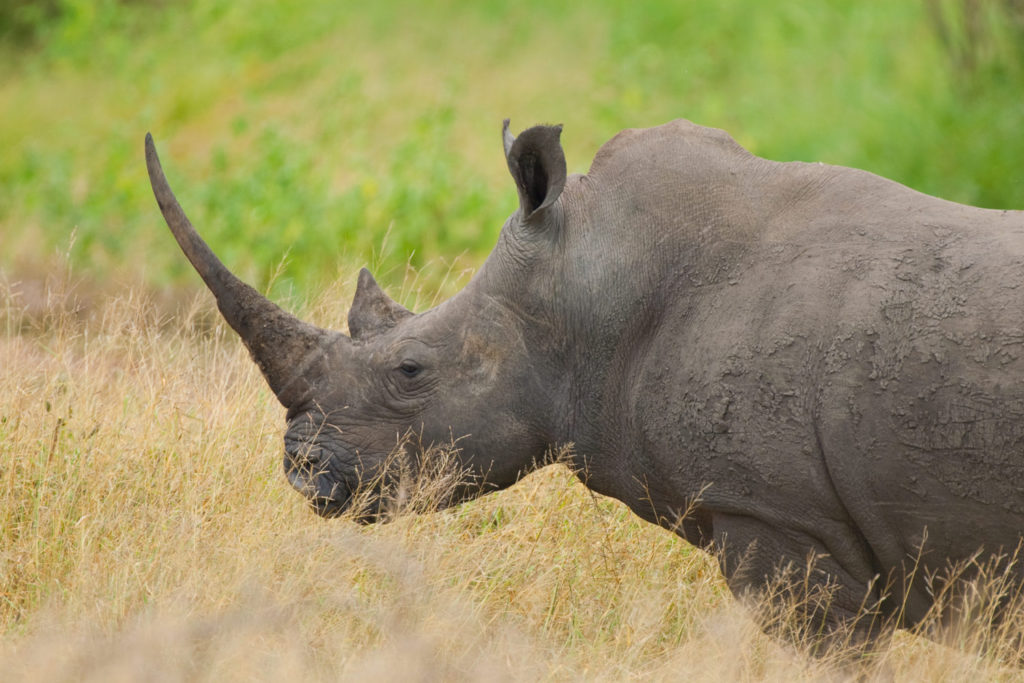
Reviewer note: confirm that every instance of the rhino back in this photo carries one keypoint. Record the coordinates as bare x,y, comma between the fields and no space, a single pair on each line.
827,351
923,393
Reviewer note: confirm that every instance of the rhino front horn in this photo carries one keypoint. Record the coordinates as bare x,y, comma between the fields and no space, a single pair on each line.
285,348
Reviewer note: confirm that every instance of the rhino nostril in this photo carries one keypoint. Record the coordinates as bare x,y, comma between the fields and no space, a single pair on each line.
304,455
304,462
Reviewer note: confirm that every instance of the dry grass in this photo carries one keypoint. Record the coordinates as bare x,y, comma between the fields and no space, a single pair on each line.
148,533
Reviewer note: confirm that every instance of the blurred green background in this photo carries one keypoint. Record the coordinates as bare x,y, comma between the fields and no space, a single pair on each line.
308,138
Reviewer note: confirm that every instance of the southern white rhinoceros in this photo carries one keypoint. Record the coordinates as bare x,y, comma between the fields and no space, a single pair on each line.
808,360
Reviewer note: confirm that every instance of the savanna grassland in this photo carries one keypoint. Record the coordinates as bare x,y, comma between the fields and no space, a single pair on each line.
146,528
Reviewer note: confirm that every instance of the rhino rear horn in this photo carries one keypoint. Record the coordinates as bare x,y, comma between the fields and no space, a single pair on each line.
537,164
286,349
372,310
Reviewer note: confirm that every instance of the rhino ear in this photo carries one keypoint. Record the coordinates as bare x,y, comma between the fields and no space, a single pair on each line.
537,164
372,310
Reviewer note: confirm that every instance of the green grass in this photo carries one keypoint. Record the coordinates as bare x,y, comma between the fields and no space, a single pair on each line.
334,134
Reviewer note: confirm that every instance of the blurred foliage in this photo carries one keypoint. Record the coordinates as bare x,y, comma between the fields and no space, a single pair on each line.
29,21
23,20
981,36
306,139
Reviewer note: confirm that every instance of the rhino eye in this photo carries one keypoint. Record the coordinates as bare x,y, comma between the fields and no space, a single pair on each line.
409,368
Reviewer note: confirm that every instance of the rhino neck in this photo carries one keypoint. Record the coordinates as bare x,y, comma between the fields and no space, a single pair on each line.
531,342
565,349
589,306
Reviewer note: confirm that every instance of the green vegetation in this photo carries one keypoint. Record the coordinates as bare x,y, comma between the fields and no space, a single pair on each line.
334,134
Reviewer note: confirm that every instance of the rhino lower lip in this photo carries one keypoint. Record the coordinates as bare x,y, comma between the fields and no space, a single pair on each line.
299,482
330,505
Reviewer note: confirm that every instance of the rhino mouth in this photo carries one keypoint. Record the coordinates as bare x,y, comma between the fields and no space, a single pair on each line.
328,499
332,497
408,479
311,468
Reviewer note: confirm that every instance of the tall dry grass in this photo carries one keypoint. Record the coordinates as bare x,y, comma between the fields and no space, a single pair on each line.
148,533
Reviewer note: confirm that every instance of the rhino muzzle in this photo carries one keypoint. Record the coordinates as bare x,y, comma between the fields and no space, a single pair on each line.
327,496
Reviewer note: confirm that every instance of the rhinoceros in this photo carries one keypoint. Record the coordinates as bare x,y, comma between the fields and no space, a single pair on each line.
777,361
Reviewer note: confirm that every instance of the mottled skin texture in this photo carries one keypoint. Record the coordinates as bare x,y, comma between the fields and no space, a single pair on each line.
808,359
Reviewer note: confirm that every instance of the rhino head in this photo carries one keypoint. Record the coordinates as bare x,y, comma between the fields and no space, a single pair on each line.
469,371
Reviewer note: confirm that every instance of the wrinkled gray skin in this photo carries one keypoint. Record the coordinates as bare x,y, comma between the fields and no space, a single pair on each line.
811,359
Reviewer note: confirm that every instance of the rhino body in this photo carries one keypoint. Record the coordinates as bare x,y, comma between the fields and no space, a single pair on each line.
774,360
